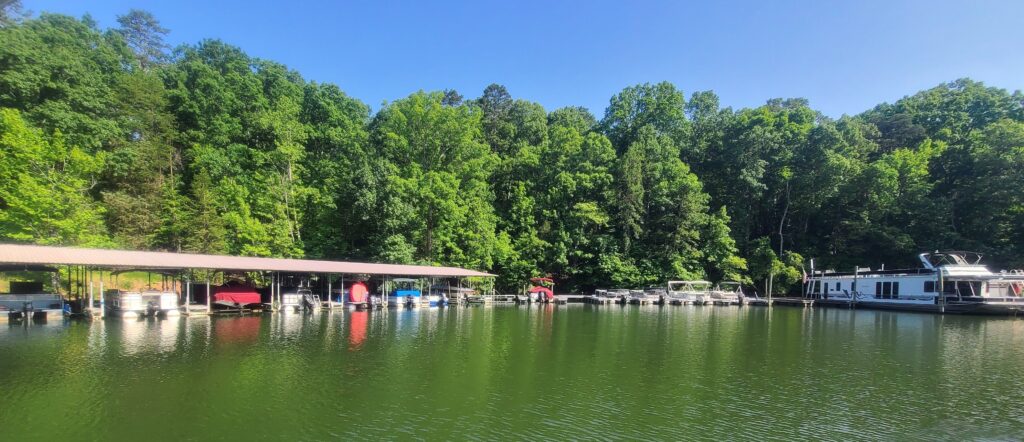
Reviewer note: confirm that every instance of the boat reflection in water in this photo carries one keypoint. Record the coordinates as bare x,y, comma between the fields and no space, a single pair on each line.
142,335
239,330
357,323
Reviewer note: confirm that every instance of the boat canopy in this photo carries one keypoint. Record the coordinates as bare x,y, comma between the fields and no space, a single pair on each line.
357,292
236,294
543,291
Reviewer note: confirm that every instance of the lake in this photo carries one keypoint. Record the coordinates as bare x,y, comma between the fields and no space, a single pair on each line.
554,372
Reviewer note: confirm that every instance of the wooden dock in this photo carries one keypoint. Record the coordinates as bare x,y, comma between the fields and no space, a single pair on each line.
504,299
600,300
570,299
794,301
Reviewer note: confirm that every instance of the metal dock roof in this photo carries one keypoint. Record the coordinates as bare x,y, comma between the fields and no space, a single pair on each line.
35,255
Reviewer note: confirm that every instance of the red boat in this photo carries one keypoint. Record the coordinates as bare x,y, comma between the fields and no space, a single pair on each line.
236,296
356,295
543,290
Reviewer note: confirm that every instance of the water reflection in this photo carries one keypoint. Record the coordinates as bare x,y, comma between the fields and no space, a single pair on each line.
357,323
231,331
136,335
546,372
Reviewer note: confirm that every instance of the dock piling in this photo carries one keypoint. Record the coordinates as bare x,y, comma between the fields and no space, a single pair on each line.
209,306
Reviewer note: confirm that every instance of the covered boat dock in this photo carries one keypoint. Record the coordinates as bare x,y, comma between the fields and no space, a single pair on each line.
83,264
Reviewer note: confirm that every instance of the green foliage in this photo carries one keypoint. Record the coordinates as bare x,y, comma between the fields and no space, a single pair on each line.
43,187
62,73
435,186
108,141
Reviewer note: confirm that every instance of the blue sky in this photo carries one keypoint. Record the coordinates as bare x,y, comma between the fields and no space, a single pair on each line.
844,57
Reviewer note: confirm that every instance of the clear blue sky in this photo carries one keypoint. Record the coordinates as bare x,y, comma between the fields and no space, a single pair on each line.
844,56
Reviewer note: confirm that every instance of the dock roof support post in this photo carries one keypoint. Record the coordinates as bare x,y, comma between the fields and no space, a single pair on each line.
103,301
209,306
91,296
330,305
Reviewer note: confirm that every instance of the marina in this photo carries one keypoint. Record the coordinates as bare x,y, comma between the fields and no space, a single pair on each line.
946,282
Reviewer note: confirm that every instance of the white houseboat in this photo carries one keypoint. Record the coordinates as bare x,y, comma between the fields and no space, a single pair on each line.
953,282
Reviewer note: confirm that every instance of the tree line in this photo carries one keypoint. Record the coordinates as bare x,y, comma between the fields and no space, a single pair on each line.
111,139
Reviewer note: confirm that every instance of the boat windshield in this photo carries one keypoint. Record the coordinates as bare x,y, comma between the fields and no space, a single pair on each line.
729,286
689,286
959,258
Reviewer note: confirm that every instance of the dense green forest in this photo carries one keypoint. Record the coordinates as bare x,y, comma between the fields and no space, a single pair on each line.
111,139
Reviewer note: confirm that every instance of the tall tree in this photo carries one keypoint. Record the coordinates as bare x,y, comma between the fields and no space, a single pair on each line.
143,33
11,12
438,165
659,106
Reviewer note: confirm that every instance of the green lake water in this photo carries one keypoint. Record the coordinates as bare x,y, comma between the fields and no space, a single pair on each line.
566,372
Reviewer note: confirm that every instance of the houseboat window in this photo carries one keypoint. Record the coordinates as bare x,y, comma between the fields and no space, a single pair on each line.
853,286
896,289
929,286
878,289
837,286
886,289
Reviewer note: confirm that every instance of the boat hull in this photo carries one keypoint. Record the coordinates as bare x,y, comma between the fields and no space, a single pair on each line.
965,308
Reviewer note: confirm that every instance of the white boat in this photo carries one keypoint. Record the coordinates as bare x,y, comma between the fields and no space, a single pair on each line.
604,296
31,305
695,292
678,293
656,295
444,295
620,295
953,282
29,299
125,304
299,299
161,303
403,292
727,292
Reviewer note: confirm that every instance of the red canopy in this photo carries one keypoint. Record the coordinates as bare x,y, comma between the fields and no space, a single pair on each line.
357,293
237,294
548,294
